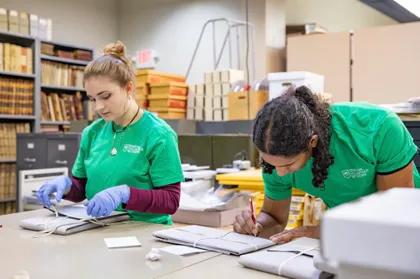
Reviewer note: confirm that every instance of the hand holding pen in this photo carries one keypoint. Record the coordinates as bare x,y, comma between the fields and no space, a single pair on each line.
246,222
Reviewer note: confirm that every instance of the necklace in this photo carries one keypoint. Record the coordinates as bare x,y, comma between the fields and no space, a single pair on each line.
115,132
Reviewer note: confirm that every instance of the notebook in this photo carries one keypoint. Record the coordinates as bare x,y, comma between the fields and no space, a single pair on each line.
72,219
293,259
213,239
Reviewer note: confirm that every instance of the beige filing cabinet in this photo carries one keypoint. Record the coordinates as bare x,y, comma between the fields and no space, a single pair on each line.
325,54
386,65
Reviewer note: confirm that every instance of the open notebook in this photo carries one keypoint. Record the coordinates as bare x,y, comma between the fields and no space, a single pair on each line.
293,259
213,239
71,219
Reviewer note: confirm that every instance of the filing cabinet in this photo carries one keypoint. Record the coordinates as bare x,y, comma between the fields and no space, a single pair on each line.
38,151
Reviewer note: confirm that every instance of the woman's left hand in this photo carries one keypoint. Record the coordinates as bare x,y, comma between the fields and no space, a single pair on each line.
106,201
289,235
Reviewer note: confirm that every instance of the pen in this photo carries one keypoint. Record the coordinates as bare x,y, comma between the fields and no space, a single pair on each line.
251,205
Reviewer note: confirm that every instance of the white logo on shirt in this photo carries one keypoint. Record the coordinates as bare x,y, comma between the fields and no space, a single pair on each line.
354,173
129,148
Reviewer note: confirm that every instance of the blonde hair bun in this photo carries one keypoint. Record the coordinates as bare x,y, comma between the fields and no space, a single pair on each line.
117,49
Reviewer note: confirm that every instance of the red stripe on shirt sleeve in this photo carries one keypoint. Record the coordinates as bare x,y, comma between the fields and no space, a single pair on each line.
77,191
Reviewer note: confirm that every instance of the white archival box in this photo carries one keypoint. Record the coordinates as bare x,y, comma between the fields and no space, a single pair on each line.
378,232
280,82
31,180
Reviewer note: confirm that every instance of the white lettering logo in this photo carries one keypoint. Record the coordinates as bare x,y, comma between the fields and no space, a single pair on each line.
129,148
354,173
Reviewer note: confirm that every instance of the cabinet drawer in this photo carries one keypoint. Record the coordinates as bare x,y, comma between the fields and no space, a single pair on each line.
31,151
62,152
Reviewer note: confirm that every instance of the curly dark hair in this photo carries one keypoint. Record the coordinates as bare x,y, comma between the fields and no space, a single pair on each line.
285,125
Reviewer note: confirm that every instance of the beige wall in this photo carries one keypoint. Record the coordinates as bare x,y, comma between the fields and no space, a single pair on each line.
335,15
89,23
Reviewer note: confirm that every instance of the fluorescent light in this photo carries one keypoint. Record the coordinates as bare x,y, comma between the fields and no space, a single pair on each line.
413,6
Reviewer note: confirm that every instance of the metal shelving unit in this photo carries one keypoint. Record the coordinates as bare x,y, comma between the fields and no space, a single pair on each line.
64,60
61,88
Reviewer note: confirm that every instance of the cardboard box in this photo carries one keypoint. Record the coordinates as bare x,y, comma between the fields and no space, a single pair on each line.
231,75
218,114
217,102
200,89
208,89
190,113
169,88
225,114
208,114
216,76
150,76
226,88
3,20
208,77
199,101
208,102
169,113
199,113
13,18
171,102
238,104
207,218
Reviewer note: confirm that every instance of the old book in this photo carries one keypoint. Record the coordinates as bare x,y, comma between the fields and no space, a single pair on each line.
24,23
13,17
33,25
4,22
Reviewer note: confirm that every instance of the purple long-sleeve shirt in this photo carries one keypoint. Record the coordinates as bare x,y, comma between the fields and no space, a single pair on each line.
163,200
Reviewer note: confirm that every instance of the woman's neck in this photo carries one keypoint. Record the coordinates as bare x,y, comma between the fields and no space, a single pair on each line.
125,119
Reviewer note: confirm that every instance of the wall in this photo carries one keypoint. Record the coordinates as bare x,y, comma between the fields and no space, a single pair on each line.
173,28
335,15
90,23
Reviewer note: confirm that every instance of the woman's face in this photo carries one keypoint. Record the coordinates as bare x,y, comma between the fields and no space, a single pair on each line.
110,99
290,164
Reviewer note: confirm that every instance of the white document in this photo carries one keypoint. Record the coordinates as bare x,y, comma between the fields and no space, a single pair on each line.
122,242
181,250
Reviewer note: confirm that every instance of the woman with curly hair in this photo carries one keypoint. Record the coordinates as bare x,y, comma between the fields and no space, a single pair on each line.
337,152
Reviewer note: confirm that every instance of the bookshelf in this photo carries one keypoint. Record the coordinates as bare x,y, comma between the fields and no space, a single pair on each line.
22,81
18,114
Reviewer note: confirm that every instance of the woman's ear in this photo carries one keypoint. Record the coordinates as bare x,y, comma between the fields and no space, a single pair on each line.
313,142
130,88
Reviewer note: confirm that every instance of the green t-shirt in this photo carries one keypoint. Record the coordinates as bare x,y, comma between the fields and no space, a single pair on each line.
366,140
147,158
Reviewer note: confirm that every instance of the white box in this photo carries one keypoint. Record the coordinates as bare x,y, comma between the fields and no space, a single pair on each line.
217,102
216,76
208,114
280,82
199,101
208,102
191,97
208,89
225,114
33,25
218,115
217,89
379,231
232,75
190,113
208,77
199,89
198,113
226,88
225,101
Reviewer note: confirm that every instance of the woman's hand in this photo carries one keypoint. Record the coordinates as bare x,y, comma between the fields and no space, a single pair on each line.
244,224
289,235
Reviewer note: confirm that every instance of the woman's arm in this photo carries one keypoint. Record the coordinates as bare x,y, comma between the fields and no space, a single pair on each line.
400,178
273,216
163,200
77,191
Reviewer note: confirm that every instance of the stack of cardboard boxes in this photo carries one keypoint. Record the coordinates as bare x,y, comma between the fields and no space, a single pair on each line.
209,100
162,93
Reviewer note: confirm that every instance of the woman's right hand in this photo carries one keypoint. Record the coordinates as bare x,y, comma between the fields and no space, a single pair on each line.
245,225
59,185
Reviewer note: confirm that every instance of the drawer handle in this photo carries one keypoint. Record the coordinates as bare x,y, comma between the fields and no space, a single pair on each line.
59,162
29,160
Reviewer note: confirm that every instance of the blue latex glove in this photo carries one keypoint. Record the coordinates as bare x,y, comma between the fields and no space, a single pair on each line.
106,201
59,185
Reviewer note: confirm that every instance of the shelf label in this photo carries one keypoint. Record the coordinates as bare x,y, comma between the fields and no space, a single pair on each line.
61,147
30,145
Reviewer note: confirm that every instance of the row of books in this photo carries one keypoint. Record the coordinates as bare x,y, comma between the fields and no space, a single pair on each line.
16,58
7,180
59,74
26,24
16,96
7,208
61,107
8,133
54,50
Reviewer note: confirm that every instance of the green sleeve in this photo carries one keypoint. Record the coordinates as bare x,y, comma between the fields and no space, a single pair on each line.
277,187
394,146
165,162
79,169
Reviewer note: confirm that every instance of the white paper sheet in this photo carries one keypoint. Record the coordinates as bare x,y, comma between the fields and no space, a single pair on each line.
122,242
181,250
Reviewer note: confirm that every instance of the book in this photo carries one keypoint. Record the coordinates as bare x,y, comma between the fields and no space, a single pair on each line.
293,259
213,239
72,219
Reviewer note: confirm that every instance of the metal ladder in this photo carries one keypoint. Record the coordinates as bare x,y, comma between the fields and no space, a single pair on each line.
233,26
